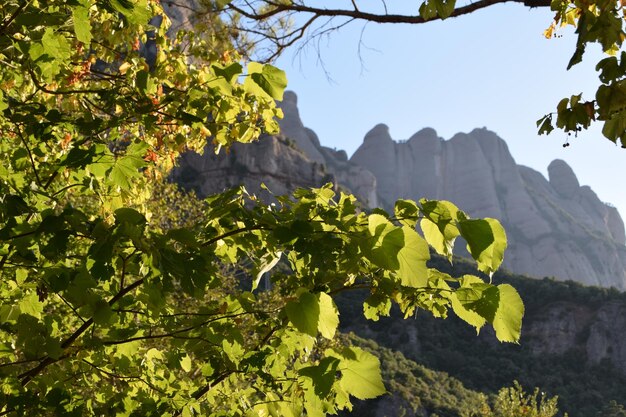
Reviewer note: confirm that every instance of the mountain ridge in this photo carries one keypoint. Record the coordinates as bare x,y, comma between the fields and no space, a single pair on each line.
555,226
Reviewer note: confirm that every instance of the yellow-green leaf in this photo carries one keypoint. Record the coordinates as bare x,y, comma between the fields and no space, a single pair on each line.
329,316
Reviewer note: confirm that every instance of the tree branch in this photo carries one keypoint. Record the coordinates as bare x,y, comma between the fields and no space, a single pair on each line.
373,17
232,233
262,17
30,155
16,13
27,376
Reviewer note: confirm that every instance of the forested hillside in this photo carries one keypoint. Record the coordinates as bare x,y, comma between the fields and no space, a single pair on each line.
570,347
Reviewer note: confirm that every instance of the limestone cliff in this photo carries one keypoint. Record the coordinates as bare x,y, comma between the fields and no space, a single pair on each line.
356,179
283,163
555,227
598,330
273,161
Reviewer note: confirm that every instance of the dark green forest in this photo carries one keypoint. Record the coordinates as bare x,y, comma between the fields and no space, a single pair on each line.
441,366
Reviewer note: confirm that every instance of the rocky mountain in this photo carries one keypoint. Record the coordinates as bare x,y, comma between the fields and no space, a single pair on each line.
273,161
293,159
555,226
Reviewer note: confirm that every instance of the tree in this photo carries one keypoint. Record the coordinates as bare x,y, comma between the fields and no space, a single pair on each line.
612,409
598,21
514,402
108,306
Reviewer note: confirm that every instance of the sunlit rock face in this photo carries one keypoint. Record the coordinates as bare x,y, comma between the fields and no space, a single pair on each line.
555,227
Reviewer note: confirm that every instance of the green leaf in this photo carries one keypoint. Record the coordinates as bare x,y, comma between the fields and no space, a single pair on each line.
431,9
3,102
463,299
313,313
55,45
581,30
439,225
102,312
185,363
130,216
615,127
270,79
406,212
413,257
30,304
15,205
9,313
145,83
82,24
398,249
304,314
268,261
360,374
476,303
229,72
222,3
488,302
444,7
124,169
508,319
136,11
544,125
322,375
329,316
375,306
486,242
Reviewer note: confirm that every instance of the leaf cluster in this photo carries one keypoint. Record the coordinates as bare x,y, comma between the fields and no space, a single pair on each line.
599,22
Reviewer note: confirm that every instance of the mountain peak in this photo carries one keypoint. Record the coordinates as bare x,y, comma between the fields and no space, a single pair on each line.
549,222
563,179
380,132
427,133
291,97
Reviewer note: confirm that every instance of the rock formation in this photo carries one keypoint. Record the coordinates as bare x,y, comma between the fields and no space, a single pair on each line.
273,161
555,227
283,163
347,175
596,330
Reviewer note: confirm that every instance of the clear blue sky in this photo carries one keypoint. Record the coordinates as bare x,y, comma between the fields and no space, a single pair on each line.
492,68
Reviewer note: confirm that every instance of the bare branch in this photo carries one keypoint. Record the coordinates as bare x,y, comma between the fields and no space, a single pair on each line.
378,18
262,17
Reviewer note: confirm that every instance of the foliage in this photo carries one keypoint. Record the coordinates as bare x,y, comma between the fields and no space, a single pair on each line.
109,306
417,390
514,402
613,409
599,22
414,389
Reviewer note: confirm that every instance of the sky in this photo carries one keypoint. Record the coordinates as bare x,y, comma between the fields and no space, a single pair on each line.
492,68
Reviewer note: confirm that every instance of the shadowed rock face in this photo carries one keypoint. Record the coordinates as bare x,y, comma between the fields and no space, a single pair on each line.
271,161
555,228
283,163
345,174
